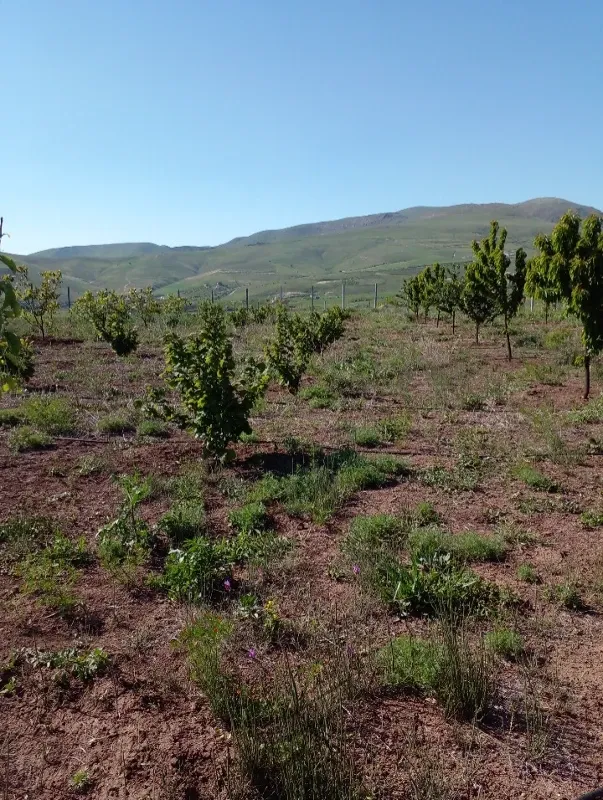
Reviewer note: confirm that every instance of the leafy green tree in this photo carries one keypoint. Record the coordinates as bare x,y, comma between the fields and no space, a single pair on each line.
40,303
491,290
411,294
172,308
450,295
427,289
215,402
144,304
541,279
110,314
576,261
10,344
437,288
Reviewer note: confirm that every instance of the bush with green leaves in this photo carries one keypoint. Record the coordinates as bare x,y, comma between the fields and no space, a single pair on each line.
297,338
172,310
198,569
111,316
214,402
144,304
40,302
10,344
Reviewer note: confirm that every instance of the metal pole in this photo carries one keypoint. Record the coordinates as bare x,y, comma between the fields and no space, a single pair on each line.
375,298
342,295
247,299
69,297
312,296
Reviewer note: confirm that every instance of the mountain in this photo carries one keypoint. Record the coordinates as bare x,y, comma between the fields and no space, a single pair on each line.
363,250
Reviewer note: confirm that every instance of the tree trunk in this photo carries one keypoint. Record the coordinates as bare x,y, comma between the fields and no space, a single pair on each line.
586,376
509,353
477,333
453,320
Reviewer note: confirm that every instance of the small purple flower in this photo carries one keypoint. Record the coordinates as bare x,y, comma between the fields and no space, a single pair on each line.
252,653
356,569
227,585
350,651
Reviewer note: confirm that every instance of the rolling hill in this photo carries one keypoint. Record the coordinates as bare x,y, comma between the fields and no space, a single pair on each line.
380,248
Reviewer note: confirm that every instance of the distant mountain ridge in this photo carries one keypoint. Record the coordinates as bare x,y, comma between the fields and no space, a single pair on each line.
376,247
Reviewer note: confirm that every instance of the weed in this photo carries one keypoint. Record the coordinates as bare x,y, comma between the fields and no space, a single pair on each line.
473,402
368,436
527,574
20,535
185,520
592,519
249,438
54,416
50,573
71,662
115,424
11,417
250,518
25,438
318,397
505,642
425,514
197,570
536,480
463,547
125,542
395,429
154,428
590,413
91,465
458,673
81,781
566,594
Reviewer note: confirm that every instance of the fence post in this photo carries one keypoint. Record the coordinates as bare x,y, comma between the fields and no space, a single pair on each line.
69,297
247,299
212,295
342,295
178,292
281,294
312,296
375,299
531,305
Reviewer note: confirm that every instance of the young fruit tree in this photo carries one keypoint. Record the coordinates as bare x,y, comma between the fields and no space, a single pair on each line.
110,315
144,304
40,303
577,264
450,294
491,289
10,344
411,295
215,400
541,280
437,288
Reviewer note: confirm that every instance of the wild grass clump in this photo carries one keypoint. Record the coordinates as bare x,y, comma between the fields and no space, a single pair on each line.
153,428
527,574
22,534
464,547
534,479
289,728
456,671
116,424
11,417
505,642
567,594
592,519
249,518
25,438
590,414
319,397
54,416
198,570
185,520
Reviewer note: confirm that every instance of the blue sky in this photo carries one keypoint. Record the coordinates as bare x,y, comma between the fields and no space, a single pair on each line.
194,121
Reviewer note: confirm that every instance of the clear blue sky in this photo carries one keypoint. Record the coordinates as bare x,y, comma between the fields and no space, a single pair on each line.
194,121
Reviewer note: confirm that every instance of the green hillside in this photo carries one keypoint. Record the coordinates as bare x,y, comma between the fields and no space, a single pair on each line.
380,248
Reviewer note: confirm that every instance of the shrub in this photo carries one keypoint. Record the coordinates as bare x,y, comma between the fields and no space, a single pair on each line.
26,438
534,479
185,520
115,424
527,574
52,415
